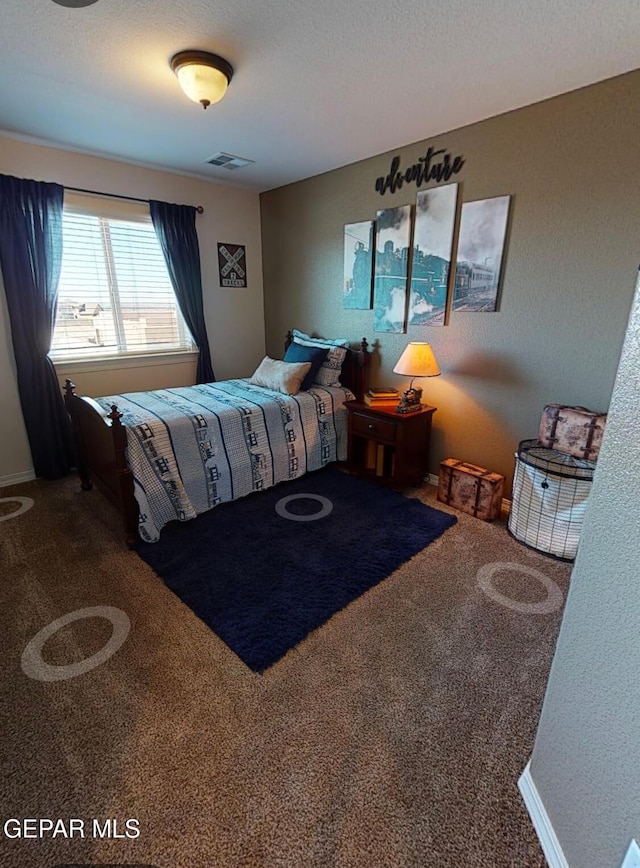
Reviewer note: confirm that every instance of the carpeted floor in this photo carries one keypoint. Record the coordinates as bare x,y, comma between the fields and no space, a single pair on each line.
392,736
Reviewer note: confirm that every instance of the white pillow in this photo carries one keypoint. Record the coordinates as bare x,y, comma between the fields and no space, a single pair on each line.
280,376
329,373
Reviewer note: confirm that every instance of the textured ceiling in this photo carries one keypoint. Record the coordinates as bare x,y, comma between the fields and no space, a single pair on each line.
318,83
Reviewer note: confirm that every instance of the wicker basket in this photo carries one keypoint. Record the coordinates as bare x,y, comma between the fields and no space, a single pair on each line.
550,491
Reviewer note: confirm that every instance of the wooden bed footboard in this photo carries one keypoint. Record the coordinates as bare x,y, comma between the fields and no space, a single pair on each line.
100,441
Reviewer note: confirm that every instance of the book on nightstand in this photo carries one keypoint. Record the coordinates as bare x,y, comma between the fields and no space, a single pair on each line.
383,393
382,397
370,459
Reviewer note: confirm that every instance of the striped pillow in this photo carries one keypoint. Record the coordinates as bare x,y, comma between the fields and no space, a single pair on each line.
329,373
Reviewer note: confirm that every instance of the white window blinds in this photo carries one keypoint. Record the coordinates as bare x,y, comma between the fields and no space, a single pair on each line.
115,296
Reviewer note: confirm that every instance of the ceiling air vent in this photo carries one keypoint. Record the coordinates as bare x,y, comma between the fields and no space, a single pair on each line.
228,161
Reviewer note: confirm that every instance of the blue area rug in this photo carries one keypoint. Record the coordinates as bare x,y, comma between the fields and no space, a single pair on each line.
265,571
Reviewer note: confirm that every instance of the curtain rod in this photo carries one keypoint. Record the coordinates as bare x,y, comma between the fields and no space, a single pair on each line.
199,208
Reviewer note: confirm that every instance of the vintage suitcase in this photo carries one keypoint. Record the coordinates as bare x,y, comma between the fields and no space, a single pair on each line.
471,489
575,431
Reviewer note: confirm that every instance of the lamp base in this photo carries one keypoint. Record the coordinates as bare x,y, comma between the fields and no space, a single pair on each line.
408,408
410,401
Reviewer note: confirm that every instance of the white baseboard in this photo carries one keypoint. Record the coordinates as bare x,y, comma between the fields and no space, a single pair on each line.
541,822
15,478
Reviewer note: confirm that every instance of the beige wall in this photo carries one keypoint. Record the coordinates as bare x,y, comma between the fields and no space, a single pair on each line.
585,762
234,317
571,165
134,375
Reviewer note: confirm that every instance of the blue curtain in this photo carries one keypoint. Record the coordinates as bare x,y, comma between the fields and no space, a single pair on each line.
30,259
175,227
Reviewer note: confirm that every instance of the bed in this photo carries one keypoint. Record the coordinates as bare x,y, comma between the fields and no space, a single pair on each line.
171,454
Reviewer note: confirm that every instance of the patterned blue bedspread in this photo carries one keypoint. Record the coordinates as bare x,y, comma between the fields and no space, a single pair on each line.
195,447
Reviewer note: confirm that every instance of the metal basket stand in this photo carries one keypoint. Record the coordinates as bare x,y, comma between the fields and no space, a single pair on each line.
550,491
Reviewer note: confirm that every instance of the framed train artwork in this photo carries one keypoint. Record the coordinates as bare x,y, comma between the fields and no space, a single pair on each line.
481,242
416,265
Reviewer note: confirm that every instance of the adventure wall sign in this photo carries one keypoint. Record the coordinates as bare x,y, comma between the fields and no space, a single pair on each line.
434,166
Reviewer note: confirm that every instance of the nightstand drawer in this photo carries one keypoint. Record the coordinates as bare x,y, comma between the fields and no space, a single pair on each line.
374,426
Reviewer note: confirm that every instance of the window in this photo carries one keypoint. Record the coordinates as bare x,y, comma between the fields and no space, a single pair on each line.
115,297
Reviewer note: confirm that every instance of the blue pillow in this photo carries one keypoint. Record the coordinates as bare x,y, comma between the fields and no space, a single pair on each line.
315,355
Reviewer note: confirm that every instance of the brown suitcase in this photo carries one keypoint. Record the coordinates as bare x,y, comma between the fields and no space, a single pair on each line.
575,431
470,488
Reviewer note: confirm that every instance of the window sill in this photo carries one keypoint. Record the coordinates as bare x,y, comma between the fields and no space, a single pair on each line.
153,360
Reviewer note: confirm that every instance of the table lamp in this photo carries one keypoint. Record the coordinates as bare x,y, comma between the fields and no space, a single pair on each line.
417,360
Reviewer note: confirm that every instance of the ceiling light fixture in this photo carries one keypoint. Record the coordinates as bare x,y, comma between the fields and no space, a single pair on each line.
75,4
204,77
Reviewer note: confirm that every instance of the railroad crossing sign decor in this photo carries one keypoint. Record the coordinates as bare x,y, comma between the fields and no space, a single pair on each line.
232,262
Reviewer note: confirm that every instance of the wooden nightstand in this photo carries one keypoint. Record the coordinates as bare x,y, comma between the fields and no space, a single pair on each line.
390,447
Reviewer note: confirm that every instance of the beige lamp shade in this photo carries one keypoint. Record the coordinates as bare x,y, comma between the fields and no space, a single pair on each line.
417,360
203,77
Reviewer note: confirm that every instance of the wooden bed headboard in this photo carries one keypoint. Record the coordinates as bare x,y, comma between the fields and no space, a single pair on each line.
355,369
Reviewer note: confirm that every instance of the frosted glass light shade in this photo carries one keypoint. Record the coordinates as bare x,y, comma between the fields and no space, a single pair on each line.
202,83
417,360
203,77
